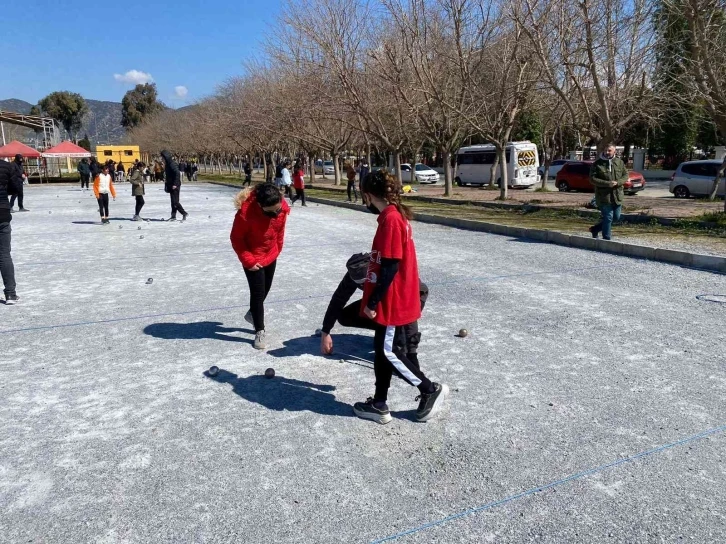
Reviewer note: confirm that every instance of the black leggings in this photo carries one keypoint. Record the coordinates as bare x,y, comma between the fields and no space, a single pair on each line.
299,195
391,357
352,188
103,204
260,282
407,338
85,179
139,204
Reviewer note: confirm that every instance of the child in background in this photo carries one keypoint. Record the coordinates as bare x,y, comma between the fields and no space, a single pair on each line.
257,237
298,181
391,299
102,186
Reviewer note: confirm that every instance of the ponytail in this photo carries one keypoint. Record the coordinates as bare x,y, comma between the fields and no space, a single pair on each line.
383,185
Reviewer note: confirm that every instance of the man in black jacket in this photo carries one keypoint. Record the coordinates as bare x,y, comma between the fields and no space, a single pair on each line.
18,173
10,181
95,168
172,185
406,338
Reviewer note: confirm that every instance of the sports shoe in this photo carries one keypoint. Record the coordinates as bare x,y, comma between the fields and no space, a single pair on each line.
24,210
260,340
11,299
184,216
593,230
248,317
431,403
366,410
135,218
172,219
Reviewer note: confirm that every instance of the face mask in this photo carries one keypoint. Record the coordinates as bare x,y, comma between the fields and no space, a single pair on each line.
373,209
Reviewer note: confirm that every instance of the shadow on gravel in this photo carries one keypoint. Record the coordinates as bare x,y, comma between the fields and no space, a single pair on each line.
280,394
196,331
356,345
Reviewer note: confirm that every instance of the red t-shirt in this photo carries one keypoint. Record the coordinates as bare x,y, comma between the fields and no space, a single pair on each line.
401,304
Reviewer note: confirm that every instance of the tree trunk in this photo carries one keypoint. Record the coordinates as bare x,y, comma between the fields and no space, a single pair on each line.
714,187
397,165
368,156
493,172
311,161
336,166
264,167
448,182
504,182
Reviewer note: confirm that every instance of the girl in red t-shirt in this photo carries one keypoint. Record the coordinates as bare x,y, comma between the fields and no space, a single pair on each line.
391,300
298,181
257,236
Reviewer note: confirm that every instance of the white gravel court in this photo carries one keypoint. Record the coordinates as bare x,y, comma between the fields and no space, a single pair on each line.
110,431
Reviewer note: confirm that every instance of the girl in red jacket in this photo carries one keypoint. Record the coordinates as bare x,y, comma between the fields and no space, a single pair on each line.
391,299
298,181
257,236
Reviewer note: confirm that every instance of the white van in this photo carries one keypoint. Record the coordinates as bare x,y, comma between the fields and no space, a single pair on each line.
474,164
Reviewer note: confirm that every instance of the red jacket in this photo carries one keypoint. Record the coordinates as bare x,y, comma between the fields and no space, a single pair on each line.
298,180
255,237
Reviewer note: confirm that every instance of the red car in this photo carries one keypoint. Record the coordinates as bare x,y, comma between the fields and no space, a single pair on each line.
575,176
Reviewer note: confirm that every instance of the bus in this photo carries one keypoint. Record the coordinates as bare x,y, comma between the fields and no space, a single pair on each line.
474,165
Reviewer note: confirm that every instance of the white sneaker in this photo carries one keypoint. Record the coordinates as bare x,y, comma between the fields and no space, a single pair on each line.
260,340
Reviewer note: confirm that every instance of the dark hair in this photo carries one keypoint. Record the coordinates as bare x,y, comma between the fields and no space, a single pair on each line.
267,194
140,164
383,185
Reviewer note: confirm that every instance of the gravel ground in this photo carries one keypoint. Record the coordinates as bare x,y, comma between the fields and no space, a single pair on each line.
111,432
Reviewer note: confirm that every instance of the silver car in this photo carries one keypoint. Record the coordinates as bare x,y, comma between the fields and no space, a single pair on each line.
695,178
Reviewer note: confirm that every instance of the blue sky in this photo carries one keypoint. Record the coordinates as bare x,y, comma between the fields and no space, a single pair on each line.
80,46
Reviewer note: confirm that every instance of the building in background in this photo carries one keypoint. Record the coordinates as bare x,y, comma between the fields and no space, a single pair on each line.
126,154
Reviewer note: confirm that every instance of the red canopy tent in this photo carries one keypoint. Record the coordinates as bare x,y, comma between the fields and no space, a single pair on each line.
15,147
66,149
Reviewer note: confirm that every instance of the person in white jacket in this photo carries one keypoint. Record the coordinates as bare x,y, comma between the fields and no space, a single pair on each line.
102,186
287,179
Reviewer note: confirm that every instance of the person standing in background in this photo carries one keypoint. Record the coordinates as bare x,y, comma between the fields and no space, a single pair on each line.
102,186
120,172
136,179
350,173
172,185
608,174
17,166
9,184
85,171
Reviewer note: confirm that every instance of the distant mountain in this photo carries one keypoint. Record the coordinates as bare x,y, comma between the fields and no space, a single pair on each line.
102,124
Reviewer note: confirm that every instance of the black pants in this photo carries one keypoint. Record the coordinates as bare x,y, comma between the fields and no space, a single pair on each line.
103,204
260,282
6,261
139,204
248,179
288,191
407,338
85,179
299,195
19,196
390,358
352,188
175,205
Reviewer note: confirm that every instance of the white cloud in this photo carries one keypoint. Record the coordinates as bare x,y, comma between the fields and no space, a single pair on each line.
180,91
134,76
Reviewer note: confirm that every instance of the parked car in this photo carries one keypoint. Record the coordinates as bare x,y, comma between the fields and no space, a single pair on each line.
695,178
575,176
423,173
555,167
324,167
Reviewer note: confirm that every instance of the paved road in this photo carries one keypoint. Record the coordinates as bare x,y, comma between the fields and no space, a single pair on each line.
575,361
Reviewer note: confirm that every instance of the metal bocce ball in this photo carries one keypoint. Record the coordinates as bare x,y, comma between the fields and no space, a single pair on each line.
213,371
270,373
463,333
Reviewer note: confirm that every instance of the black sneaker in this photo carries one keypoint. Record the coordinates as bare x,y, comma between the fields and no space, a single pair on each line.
184,216
594,231
11,299
367,410
431,403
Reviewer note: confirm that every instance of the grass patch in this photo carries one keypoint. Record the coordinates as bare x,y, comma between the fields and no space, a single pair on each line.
543,190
